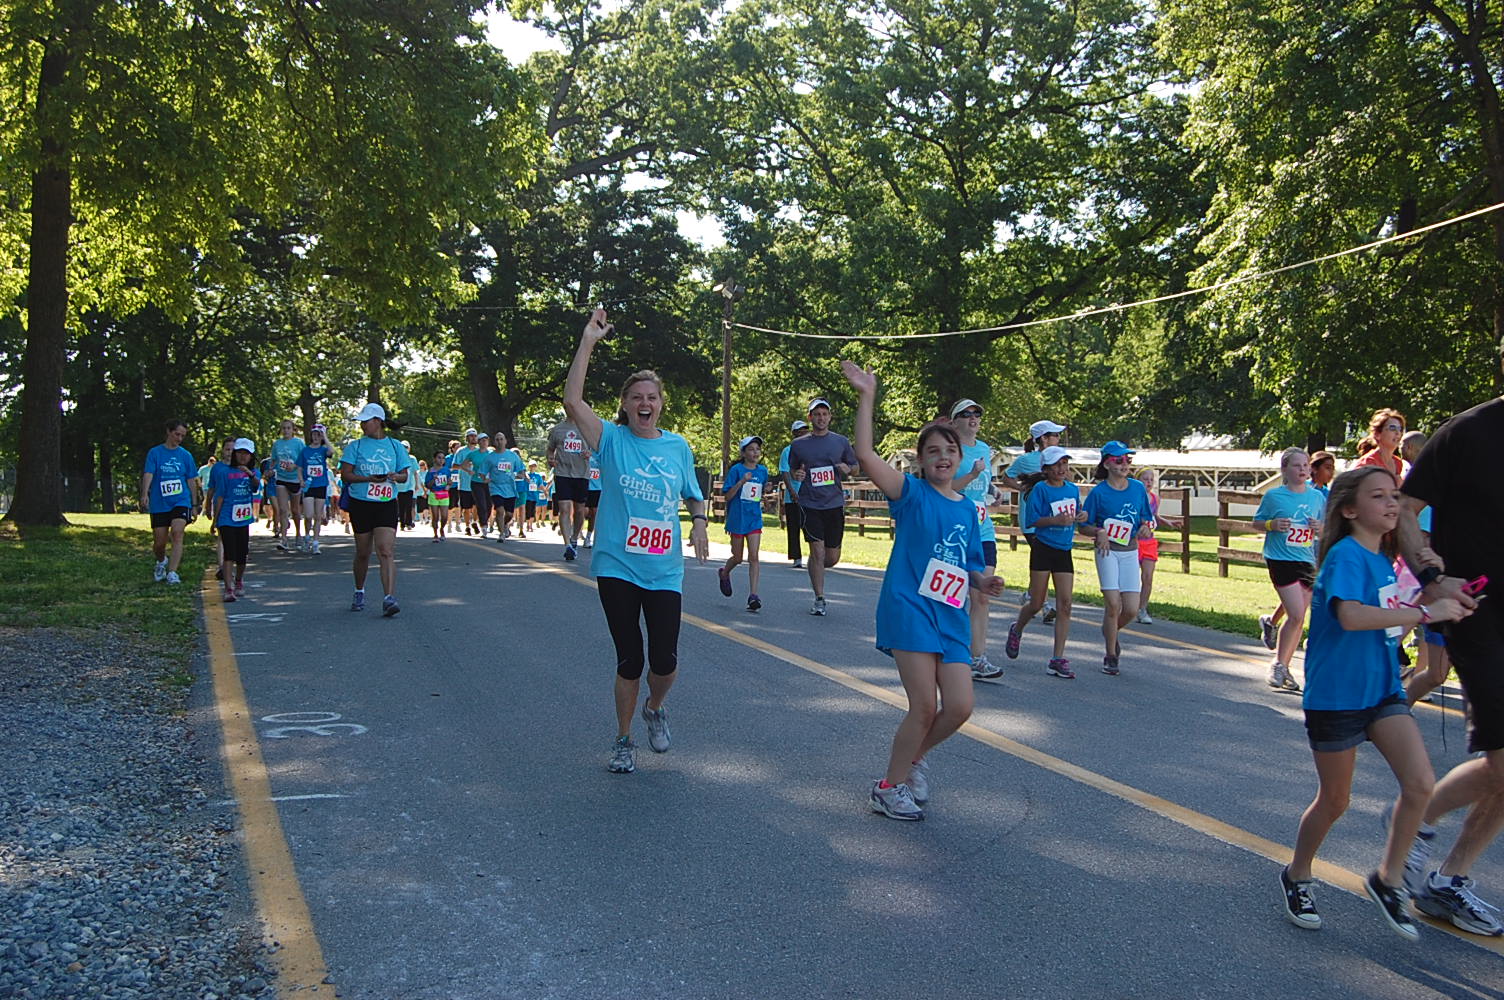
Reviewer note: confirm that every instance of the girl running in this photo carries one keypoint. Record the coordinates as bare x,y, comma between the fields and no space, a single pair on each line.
1148,548
1053,510
744,485
637,563
592,502
287,454
534,492
314,461
420,492
922,621
1118,514
234,513
1353,691
1290,517
1323,468
437,484
1042,434
975,483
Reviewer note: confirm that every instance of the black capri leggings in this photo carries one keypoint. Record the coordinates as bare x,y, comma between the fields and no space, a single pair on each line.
237,542
625,605
482,494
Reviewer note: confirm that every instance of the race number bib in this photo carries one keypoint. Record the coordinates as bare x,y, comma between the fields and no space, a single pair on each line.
752,490
649,538
1118,530
944,583
172,487
595,475
1300,536
574,446
1062,508
981,513
380,491
315,472
287,465
1389,598
240,512
825,475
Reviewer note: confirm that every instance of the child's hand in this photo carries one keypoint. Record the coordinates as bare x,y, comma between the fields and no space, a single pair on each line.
862,379
994,586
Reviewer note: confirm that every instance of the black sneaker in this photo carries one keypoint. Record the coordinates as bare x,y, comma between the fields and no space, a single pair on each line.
1300,905
1110,665
1394,904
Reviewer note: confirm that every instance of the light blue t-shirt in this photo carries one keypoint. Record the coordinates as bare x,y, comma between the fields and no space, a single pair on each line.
978,490
1424,519
928,526
1129,505
744,507
1346,671
287,455
783,468
1051,501
482,461
315,465
1305,510
462,480
171,469
505,466
1027,464
534,486
237,489
411,486
373,456
595,475
643,481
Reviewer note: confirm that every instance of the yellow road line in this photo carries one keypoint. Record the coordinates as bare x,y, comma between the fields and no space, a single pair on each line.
1335,875
274,879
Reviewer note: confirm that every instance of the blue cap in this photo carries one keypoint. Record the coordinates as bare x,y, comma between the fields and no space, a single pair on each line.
1115,449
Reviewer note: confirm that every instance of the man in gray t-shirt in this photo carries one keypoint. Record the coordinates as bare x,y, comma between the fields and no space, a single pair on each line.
820,462
569,457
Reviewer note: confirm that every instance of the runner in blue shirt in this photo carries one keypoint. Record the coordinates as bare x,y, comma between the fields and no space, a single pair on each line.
744,485
534,492
1290,517
371,468
922,621
646,472
1353,692
1118,514
1042,434
459,485
169,495
314,464
407,492
287,474
234,513
504,466
592,502
975,483
1052,510
478,465
437,483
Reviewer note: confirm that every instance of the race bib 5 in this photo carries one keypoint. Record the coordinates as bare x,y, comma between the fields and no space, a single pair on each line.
649,538
944,583
751,490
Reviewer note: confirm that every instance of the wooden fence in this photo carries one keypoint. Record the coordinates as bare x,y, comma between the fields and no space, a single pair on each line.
1226,526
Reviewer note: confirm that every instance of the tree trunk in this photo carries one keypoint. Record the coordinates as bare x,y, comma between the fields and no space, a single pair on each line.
375,358
309,404
106,476
489,405
39,481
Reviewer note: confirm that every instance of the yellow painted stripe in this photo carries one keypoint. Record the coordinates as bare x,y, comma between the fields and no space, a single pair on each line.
1335,875
274,879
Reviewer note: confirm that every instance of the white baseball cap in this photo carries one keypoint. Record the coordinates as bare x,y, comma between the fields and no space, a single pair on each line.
798,425
1040,428
748,440
963,406
244,444
370,411
1052,454
816,402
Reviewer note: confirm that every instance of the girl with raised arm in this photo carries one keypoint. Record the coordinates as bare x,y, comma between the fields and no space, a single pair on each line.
922,617
639,572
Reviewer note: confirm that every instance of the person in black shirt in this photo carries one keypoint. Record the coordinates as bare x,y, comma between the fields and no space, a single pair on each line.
1458,476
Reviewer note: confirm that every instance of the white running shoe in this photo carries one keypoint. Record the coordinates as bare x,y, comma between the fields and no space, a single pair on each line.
159,572
1143,617
173,578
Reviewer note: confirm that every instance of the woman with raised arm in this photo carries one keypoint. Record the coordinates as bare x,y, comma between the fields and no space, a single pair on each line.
639,572
922,617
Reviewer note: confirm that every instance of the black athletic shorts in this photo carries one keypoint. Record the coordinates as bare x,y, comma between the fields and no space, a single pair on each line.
317,493
826,526
368,515
1045,558
165,519
507,504
236,540
571,489
592,499
467,499
532,509
989,554
1283,572
290,487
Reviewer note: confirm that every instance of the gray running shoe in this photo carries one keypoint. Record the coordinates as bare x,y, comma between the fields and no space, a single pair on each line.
1277,675
1418,861
1110,665
1456,901
1267,632
1061,667
174,579
819,609
623,760
983,669
159,572
389,606
1143,617
1015,639
658,738
1049,613
895,803
919,781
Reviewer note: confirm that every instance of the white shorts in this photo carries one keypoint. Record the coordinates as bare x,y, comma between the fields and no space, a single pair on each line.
1119,571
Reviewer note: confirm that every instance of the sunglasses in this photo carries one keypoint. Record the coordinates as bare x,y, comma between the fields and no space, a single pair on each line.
1121,460
967,415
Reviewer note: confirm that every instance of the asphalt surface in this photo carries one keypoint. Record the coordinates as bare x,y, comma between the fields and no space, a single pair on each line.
457,835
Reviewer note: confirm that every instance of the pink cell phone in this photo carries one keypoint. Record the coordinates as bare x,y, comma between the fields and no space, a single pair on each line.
1474,587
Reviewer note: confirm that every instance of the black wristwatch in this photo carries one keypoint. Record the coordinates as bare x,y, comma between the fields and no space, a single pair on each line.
1428,576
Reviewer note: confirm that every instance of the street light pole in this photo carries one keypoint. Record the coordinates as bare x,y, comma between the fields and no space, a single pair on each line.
730,292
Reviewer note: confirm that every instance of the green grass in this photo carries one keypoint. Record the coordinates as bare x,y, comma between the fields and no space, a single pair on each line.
96,573
1231,604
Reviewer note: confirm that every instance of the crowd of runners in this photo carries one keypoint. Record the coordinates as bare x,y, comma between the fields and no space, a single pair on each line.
1402,541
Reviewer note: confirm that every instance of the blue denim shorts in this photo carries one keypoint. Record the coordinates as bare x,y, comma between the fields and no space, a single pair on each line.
1330,731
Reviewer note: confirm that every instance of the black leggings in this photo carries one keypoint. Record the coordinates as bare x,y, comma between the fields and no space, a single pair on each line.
482,494
793,516
625,605
405,503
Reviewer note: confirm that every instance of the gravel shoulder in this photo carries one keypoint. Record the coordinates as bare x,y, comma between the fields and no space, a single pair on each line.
121,872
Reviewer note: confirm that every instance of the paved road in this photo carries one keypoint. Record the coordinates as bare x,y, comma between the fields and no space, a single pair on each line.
464,840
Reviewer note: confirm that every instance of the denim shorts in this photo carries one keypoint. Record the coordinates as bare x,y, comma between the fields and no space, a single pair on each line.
1330,731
